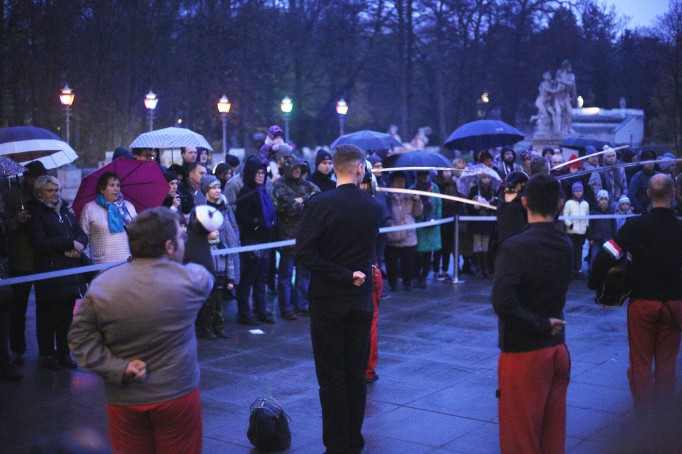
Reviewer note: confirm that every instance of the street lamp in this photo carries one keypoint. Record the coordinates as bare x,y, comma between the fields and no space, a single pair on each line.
341,110
224,107
286,107
150,101
66,97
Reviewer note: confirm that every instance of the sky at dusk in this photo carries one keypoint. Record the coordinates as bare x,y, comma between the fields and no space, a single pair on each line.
642,12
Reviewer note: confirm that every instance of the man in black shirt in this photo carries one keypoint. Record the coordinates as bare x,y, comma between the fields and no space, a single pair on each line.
654,240
532,274
336,241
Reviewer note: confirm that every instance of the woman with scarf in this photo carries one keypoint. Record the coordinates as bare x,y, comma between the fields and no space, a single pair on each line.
428,238
58,242
256,219
104,220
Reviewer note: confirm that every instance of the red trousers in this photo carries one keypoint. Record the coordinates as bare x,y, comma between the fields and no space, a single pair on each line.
532,400
373,338
173,426
654,336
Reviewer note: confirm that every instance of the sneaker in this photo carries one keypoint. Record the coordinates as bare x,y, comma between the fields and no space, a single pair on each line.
303,312
289,316
447,278
440,277
248,320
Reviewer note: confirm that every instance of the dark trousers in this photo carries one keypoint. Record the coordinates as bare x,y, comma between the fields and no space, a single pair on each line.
400,260
447,237
17,316
423,264
253,276
578,242
340,330
53,319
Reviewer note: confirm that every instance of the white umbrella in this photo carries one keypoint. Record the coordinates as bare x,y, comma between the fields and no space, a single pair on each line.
170,138
24,144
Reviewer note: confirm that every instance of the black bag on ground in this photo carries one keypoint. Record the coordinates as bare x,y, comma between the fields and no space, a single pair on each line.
268,425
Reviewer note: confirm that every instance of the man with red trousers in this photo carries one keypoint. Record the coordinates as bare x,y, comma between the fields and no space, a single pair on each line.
532,274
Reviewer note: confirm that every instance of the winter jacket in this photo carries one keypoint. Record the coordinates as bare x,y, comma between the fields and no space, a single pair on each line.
253,227
428,238
289,211
404,210
52,233
576,208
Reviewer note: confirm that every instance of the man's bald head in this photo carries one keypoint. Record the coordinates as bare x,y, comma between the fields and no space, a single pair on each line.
661,189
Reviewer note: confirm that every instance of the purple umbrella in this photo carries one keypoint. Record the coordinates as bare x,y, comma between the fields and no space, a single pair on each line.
142,184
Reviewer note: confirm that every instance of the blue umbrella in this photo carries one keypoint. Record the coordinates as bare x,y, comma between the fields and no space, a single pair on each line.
368,140
579,143
28,143
417,159
483,134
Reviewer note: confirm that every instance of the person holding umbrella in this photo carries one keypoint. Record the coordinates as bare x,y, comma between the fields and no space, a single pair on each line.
104,219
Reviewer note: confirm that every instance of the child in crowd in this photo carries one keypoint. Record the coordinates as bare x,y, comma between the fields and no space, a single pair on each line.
202,237
601,230
623,208
577,228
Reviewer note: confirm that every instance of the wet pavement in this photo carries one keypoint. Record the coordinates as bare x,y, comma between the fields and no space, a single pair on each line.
436,393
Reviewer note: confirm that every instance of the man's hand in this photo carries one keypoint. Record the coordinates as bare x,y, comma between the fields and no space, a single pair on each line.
23,216
298,200
358,278
135,372
557,325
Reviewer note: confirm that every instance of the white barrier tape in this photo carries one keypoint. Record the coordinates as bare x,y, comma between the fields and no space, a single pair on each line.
277,244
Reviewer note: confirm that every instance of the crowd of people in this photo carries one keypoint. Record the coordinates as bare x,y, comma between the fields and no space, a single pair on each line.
262,200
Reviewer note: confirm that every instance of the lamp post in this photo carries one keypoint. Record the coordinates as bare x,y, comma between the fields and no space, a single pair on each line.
224,107
286,107
150,101
66,97
341,110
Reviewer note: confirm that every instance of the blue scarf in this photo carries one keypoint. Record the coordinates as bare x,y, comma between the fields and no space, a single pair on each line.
267,206
117,213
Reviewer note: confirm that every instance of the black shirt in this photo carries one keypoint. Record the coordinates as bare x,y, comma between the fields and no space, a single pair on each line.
532,272
336,237
654,240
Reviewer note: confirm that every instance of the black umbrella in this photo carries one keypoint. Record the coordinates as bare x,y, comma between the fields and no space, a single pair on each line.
483,134
368,140
579,143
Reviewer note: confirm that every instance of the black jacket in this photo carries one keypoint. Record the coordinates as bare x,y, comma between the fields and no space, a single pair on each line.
322,181
532,272
249,214
52,234
336,237
654,240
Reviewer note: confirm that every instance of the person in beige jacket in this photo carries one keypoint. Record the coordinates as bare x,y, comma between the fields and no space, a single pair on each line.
401,249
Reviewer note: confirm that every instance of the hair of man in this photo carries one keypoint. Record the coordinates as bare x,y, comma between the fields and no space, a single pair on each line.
149,232
661,187
347,158
543,193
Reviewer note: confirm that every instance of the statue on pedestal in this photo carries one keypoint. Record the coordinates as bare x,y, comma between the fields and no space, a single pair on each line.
555,101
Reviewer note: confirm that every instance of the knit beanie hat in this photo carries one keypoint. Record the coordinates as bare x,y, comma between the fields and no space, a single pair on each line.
577,186
284,150
169,175
576,164
206,183
623,199
589,149
322,155
603,194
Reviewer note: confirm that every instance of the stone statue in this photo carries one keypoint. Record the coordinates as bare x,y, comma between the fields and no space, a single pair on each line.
555,101
565,97
546,116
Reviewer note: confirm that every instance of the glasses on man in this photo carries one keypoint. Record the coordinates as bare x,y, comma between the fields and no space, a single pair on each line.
53,191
